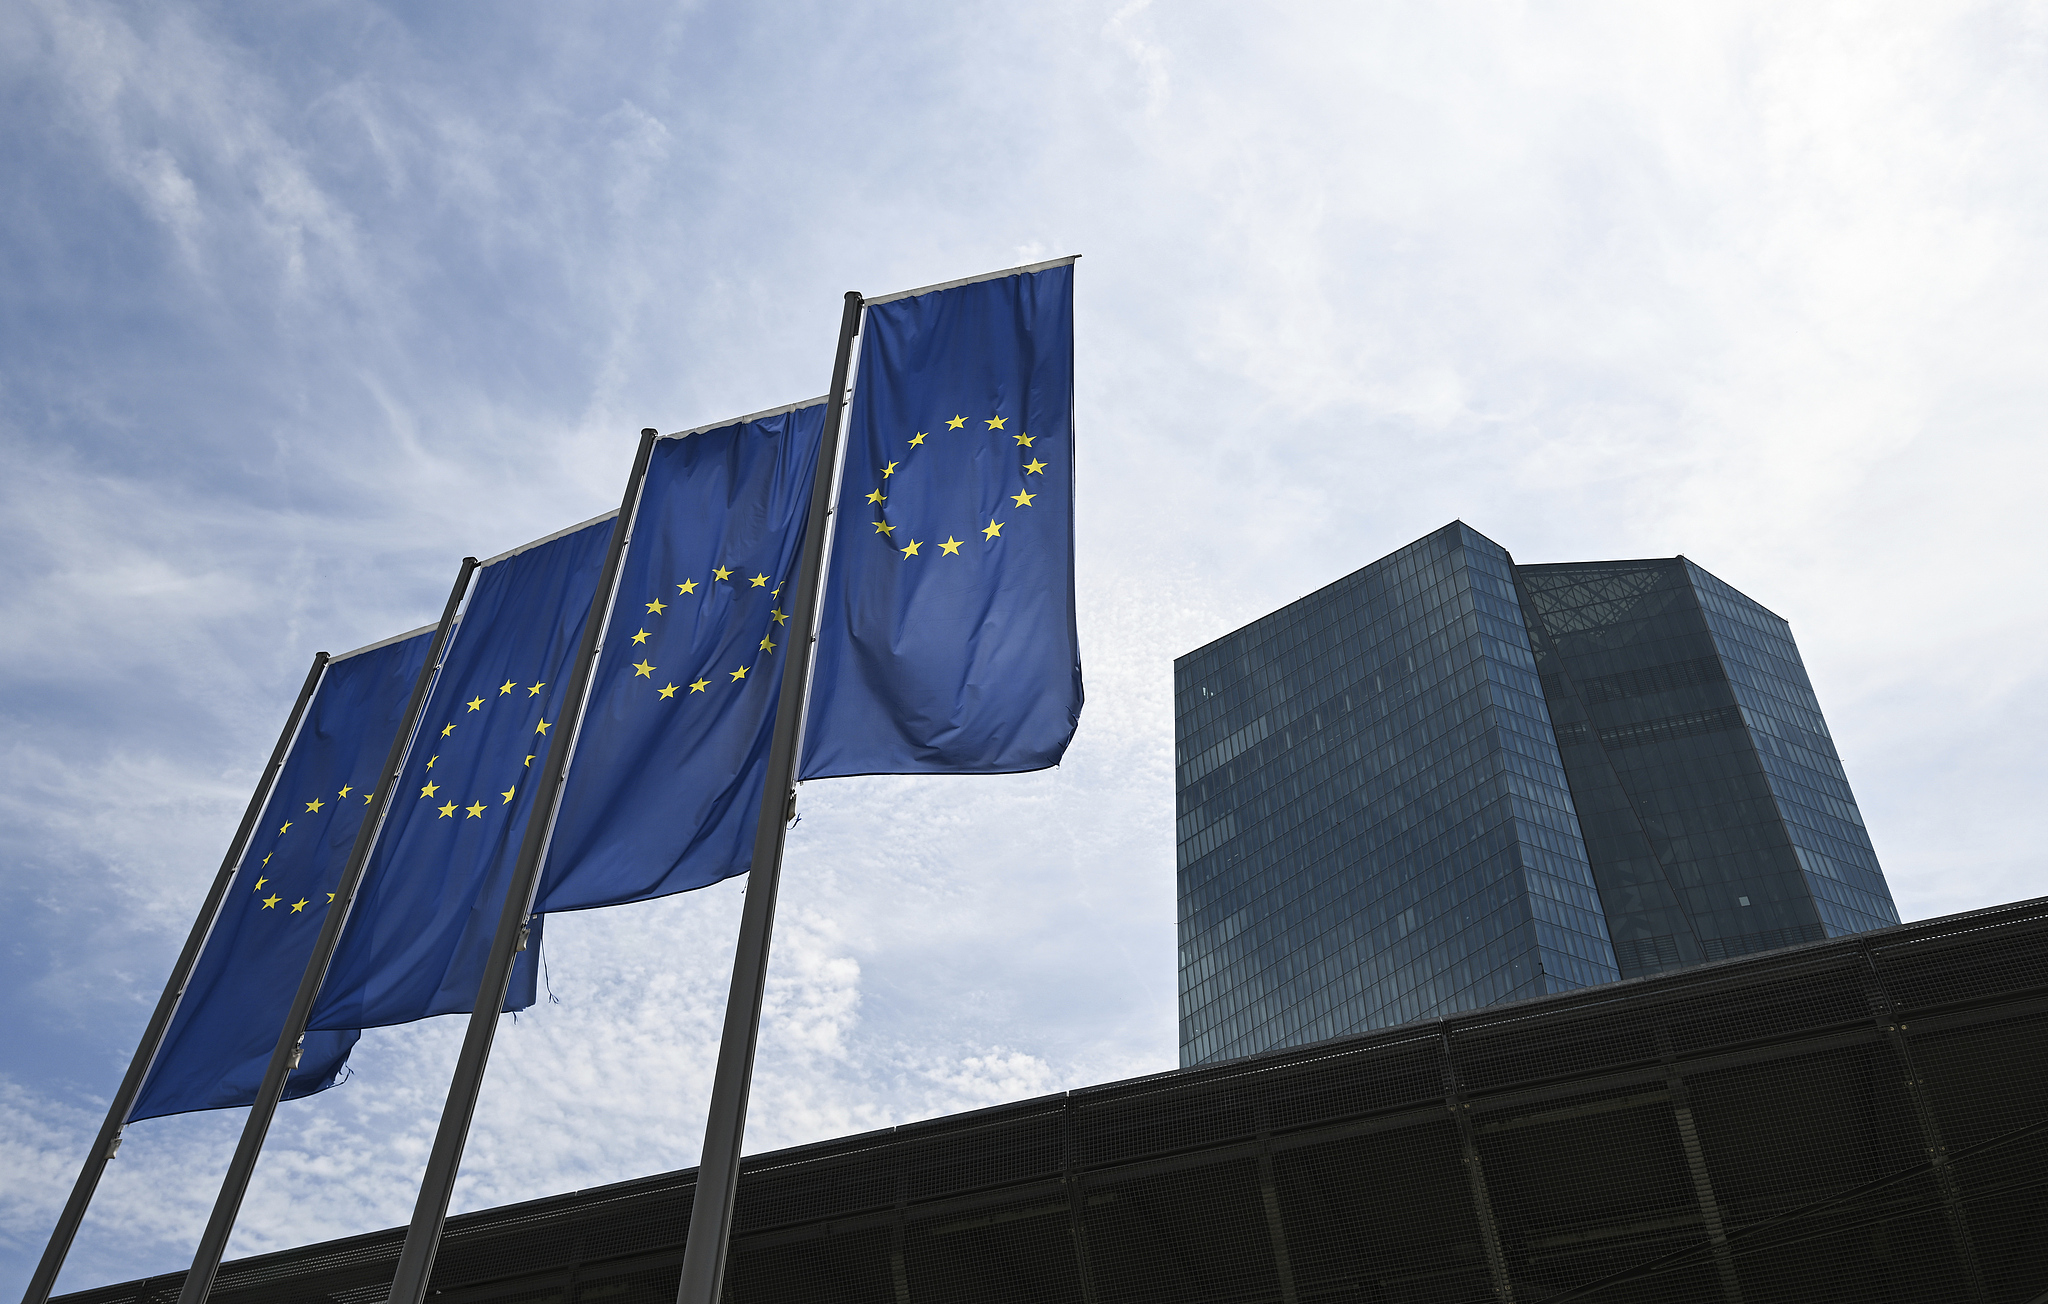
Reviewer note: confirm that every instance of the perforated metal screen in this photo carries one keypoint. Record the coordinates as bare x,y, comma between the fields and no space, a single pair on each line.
1862,1119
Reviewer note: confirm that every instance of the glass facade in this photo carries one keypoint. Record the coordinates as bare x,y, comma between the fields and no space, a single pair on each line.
1715,811
1798,758
1374,822
1447,780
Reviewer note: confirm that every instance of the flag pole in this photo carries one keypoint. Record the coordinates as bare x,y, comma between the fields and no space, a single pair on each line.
214,1243
718,1167
430,1210
109,1139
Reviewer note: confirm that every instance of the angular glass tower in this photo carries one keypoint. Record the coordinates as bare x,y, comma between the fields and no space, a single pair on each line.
1374,823
1445,781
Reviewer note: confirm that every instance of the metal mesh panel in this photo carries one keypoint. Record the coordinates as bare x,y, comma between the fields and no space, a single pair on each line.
150,1290
637,1222
809,1188
830,1269
478,1250
946,1158
359,1268
1118,1128
1022,1252
1354,1083
649,1286
1184,1237
1925,974
1956,1063
1383,1217
1566,1214
556,1292
1784,1136
2001,1166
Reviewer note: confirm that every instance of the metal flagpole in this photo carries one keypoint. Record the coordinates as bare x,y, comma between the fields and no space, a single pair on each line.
430,1211
214,1244
718,1169
109,1139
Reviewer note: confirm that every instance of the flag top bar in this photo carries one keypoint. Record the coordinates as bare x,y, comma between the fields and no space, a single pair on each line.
1025,270
582,525
382,642
762,415
510,553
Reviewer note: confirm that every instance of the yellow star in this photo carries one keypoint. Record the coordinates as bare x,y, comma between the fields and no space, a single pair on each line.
287,824
1034,467
535,690
315,805
877,496
759,581
298,905
667,691
767,646
890,469
779,617
271,900
507,795
541,728
995,527
447,810
640,637
883,527
1022,499
721,573
431,760
430,790
330,898
950,548
476,704
700,685
741,673
347,789
266,860
261,881
911,551
476,810
446,730
996,423
657,606
1023,440
506,687
369,797
687,586
917,439
641,669
529,762
956,423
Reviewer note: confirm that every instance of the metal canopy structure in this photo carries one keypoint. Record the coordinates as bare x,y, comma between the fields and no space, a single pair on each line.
1864,1118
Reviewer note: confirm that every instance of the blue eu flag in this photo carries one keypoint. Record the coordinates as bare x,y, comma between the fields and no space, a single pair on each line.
220,1040
428,906
672,756
946,644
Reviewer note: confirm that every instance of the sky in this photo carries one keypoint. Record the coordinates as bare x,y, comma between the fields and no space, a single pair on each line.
299,304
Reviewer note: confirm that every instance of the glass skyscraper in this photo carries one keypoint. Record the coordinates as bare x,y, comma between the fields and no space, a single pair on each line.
1447,780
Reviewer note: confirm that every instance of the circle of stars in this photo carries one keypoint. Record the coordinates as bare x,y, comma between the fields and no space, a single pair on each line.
666,690
950,546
